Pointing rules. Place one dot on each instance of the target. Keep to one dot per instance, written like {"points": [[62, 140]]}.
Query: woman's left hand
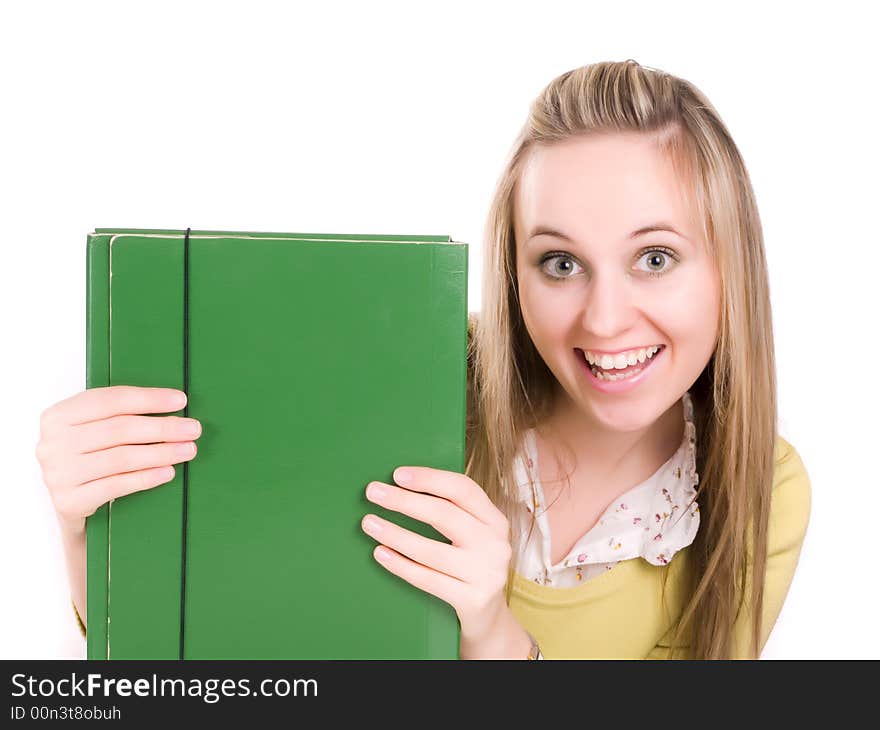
{"points": [[470, 574]]}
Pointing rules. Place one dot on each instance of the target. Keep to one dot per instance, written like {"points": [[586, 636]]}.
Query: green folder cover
{"points": [[316, 363]]}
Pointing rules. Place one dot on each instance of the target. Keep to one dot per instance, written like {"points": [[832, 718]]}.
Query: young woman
{"points": [[626, 492], [625, 221]]}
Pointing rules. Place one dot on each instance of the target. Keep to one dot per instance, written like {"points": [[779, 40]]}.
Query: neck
{"points": [[618, 458]]}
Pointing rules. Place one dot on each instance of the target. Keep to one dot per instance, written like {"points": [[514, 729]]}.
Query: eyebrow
{"points": [[659, 226]]}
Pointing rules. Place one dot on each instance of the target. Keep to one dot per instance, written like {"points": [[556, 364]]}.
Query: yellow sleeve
{"points": [[82, 628], [789, 516]]}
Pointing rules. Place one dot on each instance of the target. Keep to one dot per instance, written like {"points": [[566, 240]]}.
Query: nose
{"points": [[609, 307]]}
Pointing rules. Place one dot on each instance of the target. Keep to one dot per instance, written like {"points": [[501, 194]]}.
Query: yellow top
{"points": [[618, 614]]}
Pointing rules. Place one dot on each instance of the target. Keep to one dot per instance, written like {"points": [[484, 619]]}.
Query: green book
{"points": [[316, 363]]}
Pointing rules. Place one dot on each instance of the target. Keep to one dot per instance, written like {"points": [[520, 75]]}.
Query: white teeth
{"points": [[623, 359], [617, 376]]}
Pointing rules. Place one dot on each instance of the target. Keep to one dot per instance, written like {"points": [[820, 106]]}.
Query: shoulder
{"points": [[791, 498], [790, 478]]}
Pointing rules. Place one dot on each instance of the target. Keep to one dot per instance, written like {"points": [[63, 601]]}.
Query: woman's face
{"points": [[592, 278]]}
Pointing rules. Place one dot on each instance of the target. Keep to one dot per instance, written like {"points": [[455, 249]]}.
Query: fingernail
{"points": [[372, 526], [402, 476], [193, 428], [382, 555], [376, 491], [185, 450]]}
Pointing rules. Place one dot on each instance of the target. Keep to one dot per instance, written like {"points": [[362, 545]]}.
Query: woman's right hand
{"points": [[93, 448]]}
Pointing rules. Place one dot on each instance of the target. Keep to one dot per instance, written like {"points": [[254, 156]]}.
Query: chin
{"points": [[629, 419]]}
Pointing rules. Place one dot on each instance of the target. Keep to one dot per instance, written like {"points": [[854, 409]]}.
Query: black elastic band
{"points": [[185, 415]]}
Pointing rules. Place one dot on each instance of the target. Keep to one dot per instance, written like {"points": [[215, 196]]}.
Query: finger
{"points": [[457, 488], [444, 516], [448, 589], [449, 559], [119, 430], [86, 499], [113, 400], [122, 459]]}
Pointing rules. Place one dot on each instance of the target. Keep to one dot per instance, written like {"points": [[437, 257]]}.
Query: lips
{"points": [[618, 385]]}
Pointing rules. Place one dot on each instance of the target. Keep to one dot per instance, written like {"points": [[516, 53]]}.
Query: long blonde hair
{"points": [[510, 388]]}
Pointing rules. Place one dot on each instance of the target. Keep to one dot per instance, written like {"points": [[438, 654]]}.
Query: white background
{"points": [[396, 118]]}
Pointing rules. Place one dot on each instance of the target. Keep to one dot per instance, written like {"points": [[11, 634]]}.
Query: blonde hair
{"points": [[510, 388]]}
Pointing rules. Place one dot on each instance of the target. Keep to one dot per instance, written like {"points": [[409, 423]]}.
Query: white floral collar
{"points": [[653, 520]]}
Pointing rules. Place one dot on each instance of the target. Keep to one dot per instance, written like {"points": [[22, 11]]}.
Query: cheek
{"points": [[690, 314], [544, 314]]}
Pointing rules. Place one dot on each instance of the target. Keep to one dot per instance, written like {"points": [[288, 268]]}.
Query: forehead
{"points": [[601, 185]]}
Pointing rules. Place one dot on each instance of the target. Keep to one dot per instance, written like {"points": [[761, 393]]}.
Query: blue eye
{"points": [[563, 257], [657, 256]]}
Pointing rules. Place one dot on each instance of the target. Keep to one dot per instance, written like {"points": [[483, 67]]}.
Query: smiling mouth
{"points": [[613, 374]]}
